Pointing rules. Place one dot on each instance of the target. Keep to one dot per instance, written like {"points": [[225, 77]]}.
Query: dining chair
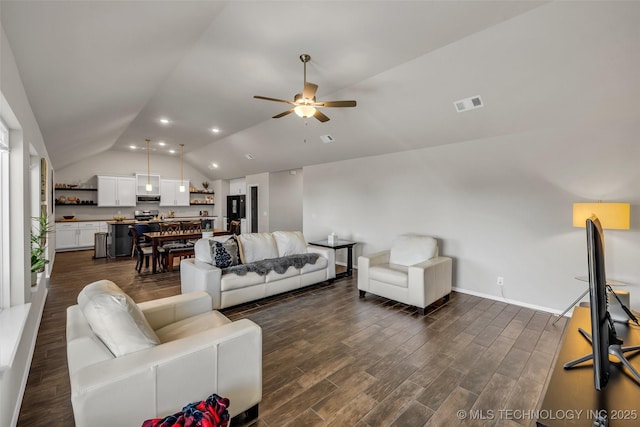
{"points": [[191, 225], [169, 227], [173, 248], [234, 227], [142, 250]]}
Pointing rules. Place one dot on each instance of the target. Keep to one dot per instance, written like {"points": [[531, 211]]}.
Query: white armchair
{"points": [[122, 374], [411, 272]]}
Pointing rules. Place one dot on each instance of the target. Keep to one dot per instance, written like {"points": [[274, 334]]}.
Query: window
{"points": [[4, 216]]}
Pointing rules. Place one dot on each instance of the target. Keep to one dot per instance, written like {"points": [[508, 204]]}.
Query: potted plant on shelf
{"points": [[39, 245], [205, 185]]}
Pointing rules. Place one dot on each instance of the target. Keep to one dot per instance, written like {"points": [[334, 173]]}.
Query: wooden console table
{"points": [[572, 400]]}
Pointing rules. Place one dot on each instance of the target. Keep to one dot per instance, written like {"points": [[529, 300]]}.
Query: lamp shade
{"points": [[304, 111], [613, 216]]}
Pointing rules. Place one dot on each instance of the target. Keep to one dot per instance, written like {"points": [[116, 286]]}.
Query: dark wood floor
{"points": [[333, 359]]}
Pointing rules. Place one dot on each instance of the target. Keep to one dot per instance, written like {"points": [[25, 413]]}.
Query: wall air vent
{"points": [[326, 139], [468, 104]]}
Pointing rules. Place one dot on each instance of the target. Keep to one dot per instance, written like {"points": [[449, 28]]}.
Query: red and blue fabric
{"points": [[212, 412]]}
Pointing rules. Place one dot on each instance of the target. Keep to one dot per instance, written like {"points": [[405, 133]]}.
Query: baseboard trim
{"points": [[508, 301]]}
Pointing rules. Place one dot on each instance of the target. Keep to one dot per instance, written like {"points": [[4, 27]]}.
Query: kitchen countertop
{"points": [[133, 221]]}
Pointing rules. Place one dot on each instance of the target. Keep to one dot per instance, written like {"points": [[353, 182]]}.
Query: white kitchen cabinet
{"points": [[86, 232], [77, 235], [66, 235], [170, 194], [116, 191]]}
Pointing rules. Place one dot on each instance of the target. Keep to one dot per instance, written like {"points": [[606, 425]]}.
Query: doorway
{"points": [[254, 208]]}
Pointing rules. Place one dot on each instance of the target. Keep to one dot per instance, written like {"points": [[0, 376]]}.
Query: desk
{"points": [[157, 237], [340, 244], [571, 390]]}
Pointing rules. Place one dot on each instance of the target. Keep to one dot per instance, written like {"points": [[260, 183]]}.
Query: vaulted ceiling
{"points": [[101, 74]]}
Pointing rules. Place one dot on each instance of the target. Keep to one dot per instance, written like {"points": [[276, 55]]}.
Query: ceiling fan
{"points": [[305, 104]]}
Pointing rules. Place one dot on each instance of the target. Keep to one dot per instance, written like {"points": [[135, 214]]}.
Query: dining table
{"points": [[158, 237]]}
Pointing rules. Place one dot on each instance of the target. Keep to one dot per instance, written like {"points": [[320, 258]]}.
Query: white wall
{"points": [[25, 136], [285, 200], [500, 207]]}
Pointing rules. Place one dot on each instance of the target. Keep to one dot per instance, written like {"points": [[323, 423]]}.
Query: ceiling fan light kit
{"points": [[305, 104]]}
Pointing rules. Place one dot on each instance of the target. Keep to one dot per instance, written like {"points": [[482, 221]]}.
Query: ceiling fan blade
{"points": [[266, 98], [277, 116], [320, 116], [309, 90], [335, 104]]}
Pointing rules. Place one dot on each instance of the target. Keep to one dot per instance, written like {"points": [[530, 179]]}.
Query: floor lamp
{"points": [[612, 216]]}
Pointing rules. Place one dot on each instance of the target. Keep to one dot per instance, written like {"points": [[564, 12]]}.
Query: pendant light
{"points": [[182, 189], [148, 187]]}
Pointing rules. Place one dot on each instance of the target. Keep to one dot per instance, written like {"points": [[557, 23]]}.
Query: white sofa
{"points": [[411, 272], [228, 289], [129, 363]]}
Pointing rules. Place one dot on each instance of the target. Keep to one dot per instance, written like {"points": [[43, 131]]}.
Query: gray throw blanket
{"points": [[279, 265]]}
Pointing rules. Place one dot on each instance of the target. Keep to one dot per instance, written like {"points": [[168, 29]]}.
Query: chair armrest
{"points": [[159, 381], [201, 276], [367, 261], [430, 280], [376, 258], [163, 311], [329, 254]]}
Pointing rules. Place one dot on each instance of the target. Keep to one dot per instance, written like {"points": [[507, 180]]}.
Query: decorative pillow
{"points": [[257, 246], [412, 249], [115, 318], [225, 254], [290, 243], [203, 249]]}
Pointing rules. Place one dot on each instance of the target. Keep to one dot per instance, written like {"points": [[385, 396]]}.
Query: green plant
{"points": [[205, 184], [39, 232]]}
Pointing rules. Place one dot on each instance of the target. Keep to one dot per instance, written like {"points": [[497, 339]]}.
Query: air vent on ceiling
{"points": [[249, 156], [326, 139], [468, 104]]}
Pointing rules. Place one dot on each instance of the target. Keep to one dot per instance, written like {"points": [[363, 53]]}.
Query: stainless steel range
{"points": [[145, 215]]}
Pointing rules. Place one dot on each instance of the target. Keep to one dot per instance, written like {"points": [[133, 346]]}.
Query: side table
{"points": [[340, 244]]}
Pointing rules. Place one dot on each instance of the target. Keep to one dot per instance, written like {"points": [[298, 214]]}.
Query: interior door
{"points": [[254, 209]]}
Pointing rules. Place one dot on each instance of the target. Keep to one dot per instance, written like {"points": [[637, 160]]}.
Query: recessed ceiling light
{"points": [[249, 156], [172, 151], [214, 165], [133, 147], [161, 143], [215, 130], [164, 121]]}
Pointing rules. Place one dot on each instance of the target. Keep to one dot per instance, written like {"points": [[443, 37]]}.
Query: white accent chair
{"points": [[131, 362], [411, 272]]}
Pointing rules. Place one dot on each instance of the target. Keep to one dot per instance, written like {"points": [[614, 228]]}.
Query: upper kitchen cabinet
{"points": [[170, 194], [116, 191], [142, 179]]}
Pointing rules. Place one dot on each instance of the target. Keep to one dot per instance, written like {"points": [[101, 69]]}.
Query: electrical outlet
{"points": [[500, 281]]}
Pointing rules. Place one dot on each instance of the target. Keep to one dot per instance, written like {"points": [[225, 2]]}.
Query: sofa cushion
{"points": [[115, 318], [191, 326], [257, 246], [320, 264], [290, 243], [393, 274], [412, 249], [225, 254], [273, 276], [232, 281]]}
